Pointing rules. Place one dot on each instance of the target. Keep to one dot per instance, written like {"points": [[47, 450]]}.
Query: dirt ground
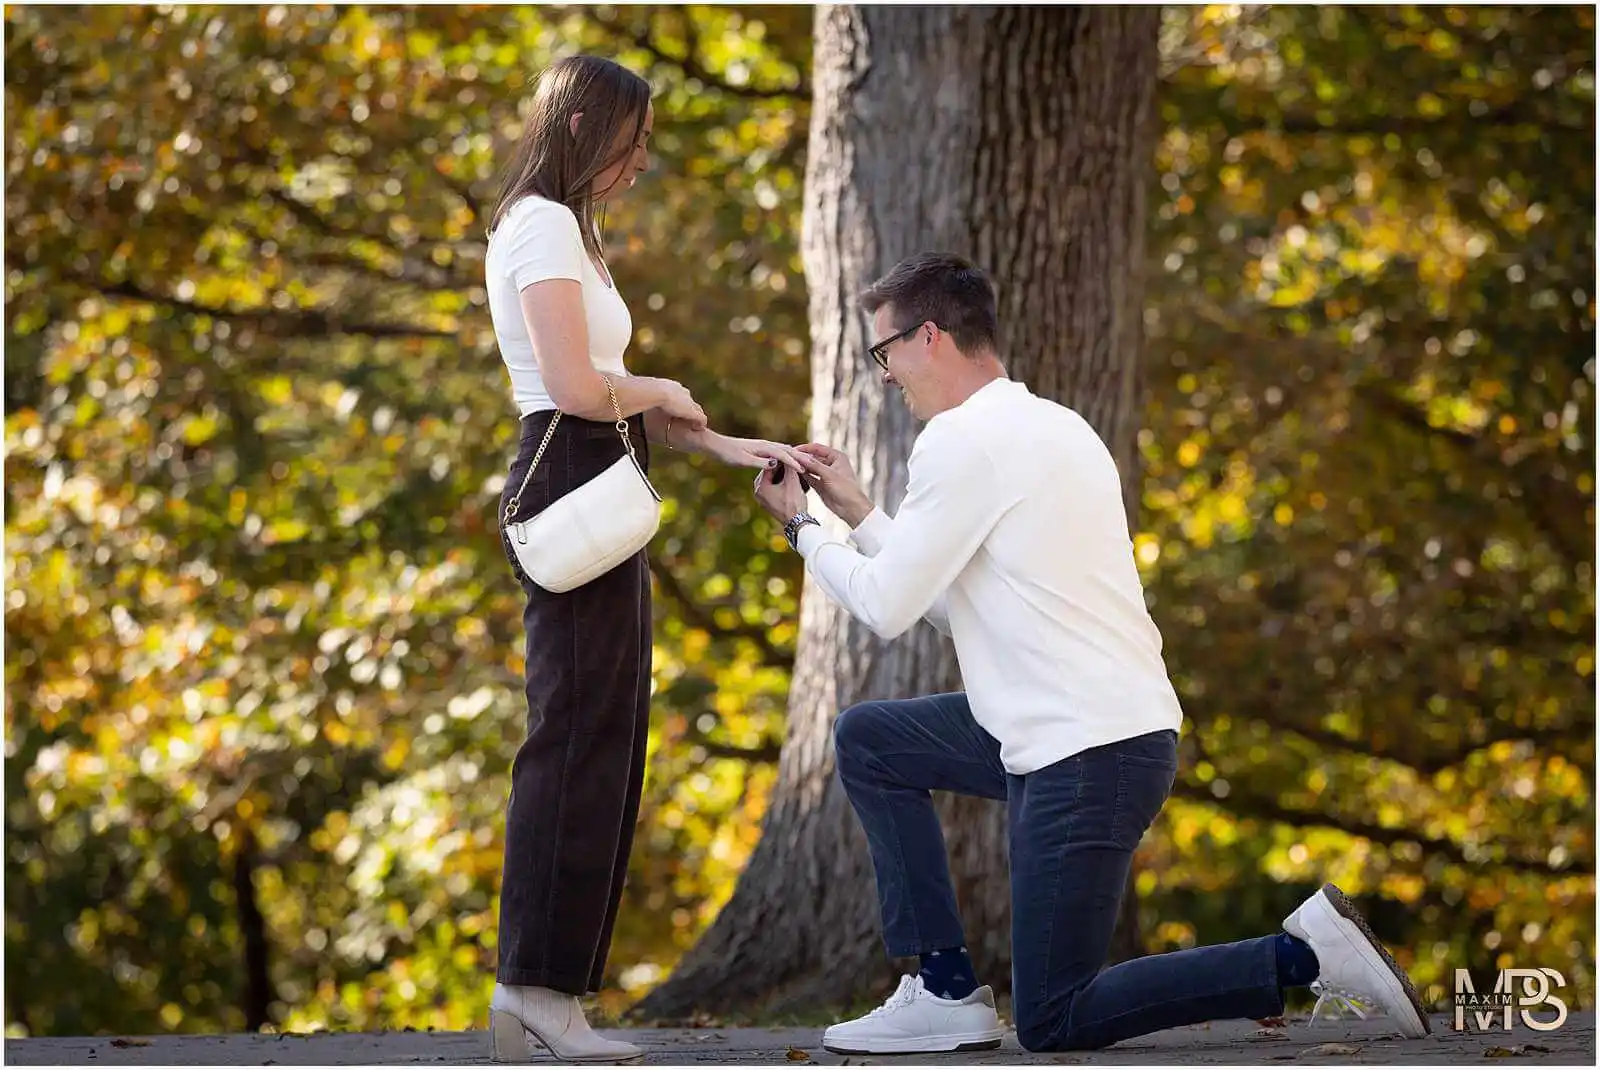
{"points": [[1321, 1043]]}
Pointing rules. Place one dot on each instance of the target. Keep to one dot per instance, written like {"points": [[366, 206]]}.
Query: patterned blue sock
{"points": [[948, 973], [1297, 963]]}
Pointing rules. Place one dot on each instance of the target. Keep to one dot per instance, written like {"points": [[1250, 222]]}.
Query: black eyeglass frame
{"points": [[878, 351]]}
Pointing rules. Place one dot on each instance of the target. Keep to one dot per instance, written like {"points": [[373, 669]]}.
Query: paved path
{"points": [[1344, 1042]]}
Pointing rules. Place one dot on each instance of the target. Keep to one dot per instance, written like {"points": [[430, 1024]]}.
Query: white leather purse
{"points": [[590, 530]]}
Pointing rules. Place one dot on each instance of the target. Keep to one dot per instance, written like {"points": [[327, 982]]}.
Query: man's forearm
{"points": [[854, 511]]}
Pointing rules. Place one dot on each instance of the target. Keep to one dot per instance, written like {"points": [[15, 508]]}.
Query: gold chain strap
{"points": [[622, 429]]}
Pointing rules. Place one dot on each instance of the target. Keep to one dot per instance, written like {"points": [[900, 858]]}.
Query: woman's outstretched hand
{"points": [[753, 452]]}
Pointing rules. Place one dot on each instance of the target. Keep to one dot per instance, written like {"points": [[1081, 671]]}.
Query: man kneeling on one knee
{"points": [[1013, 540]]}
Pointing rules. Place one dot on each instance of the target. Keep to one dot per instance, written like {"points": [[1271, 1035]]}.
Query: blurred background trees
{"points": [[262, 644]]}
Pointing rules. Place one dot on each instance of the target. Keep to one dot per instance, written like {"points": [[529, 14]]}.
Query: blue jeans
{"points": [[1074, 826]]}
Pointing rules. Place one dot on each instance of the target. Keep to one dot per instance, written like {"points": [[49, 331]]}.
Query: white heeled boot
{"points": [[556, 1021]]}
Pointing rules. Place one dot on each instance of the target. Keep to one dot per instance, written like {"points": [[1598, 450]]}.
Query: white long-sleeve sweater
{"points": [[1012, 539]]}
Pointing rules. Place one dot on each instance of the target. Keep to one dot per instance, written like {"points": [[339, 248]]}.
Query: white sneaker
{"points": [[1352, 963], [554, 1019], [914, 1021]]}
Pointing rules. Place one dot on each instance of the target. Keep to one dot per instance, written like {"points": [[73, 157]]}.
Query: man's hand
{"points": [[782, 499], [835, 482]]}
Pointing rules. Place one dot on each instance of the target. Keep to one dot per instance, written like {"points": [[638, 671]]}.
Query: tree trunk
{"points": [[257, 996], [1020, 137]]}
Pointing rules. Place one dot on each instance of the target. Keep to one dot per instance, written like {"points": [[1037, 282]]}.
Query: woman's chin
{"points": [[615, 193]]}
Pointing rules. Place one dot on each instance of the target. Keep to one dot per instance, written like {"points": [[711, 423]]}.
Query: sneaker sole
{"points": [[509, 1044], [954, 1042], [1347, 910]]}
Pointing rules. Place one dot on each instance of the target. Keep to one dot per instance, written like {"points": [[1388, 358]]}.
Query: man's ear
{"points": [[572, 124]]}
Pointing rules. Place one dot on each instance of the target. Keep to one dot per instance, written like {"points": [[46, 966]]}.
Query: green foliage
{"points": [[1369, 470], [259, 620], [256, 430]]}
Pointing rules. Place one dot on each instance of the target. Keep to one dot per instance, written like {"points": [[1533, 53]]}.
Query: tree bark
{"points": [[1020, 137], [257, 996]]}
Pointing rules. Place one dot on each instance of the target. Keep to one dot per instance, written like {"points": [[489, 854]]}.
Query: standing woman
{"points": [[562, 329]]}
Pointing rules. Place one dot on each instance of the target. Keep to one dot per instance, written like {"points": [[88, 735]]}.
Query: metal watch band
{"points": [[791, 530]]}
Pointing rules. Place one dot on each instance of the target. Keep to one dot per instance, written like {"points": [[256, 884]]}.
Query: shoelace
{"points": [[1341, 1000], [902, 997]]}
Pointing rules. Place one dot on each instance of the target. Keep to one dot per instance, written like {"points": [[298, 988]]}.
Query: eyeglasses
{"points": [[879, 351]]}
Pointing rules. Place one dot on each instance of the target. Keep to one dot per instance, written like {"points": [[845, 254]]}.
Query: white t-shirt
{"points": [[537, 240], [1013, 540]]}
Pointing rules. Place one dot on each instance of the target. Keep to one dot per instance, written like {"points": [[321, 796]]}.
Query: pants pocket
{"points": [[1143, 784]]}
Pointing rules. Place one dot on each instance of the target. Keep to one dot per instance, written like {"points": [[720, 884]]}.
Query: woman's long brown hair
{"points": [[558, 165]]}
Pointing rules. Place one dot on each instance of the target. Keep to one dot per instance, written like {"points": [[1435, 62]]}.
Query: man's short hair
{"points": [[949, 290]]}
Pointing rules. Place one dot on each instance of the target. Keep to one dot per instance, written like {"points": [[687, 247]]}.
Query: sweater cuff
{"points": [[870, 533], [810, 537]]}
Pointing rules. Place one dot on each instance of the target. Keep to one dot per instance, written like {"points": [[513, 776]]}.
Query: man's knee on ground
{"points": [[1033, 1034], [1038, 1033]]}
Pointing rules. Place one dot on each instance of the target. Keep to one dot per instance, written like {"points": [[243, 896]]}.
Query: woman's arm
{"points": [[544, 255], [677, 434], [553, 310], [657, 425], [674, 433]]}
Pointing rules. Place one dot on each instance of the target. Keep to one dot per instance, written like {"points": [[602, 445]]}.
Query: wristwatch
{"points": [[791, 530]]}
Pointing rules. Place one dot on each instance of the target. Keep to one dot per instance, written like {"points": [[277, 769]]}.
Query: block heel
{"points": [[509, 1038]]}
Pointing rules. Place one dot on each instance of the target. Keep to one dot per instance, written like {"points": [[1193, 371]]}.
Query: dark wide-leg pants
{"points": [[576, 780]]}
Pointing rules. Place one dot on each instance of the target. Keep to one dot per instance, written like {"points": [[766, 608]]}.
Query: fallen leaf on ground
{"points": [[130, 1042], [1268, 1034], [1500, 1051], [798, 1056], [1271, 1023], [1329, 1049]]}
